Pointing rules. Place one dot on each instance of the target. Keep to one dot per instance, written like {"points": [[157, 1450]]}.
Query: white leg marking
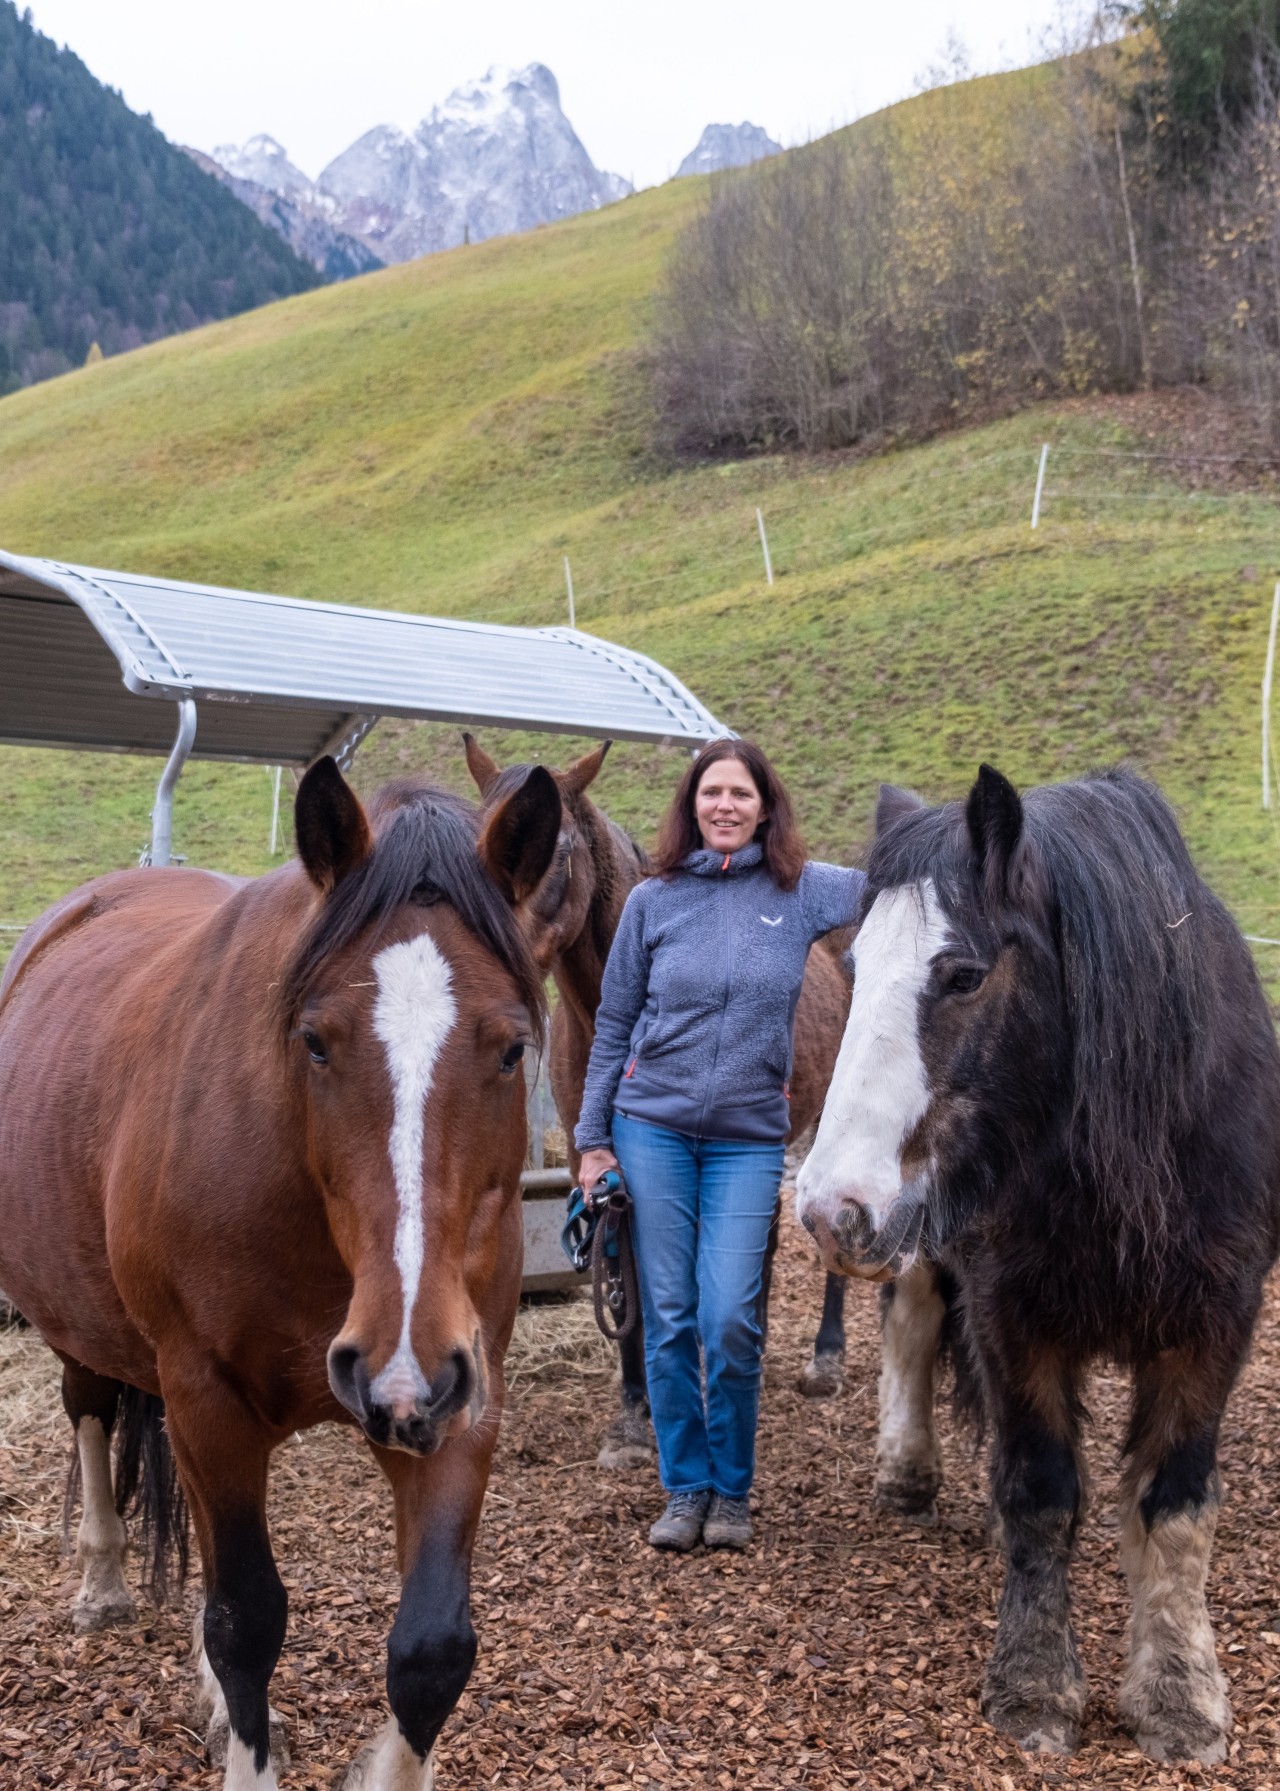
{"points": [[211, 1712], [1174, 1696], [412, 1015], [908, 1464], [390, 1764], [878, 1089], [104, 1598], [242, 1774]]}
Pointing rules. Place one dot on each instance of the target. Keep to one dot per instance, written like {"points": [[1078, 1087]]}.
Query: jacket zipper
{"points": [[726, 901]]}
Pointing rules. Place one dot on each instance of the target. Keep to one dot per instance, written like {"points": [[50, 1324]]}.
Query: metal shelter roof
{"points": [[276, 680]]}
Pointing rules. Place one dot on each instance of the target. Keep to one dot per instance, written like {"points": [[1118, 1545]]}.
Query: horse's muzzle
{"points": [[413, 1417], [852, 1246]]}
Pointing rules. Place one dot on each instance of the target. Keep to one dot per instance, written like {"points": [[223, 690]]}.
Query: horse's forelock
{"points": [[424, 851]]}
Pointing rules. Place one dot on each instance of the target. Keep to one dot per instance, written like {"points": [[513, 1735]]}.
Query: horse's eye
{"points": [[964, 979], [511, 1059], [315, 1046]]}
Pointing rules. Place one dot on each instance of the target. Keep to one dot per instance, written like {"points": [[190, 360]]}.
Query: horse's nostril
{"points": [[349, 1379], [810, 1224], [452, 1385]]}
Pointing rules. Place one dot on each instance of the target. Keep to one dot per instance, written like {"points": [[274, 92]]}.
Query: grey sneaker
{"points": [[727, 1523], [680, 1525]]}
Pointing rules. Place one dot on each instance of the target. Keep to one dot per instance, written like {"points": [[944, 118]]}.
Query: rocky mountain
{"points": [[728, 146], [499, 156], [289, 207], [109, 236]]}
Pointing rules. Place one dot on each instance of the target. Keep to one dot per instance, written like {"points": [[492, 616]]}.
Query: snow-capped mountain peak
{"points": [[497, 156], [265, 161], [728, 146]]}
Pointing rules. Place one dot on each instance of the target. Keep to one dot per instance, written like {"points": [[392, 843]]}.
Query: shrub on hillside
{"points": [[994, 243], [976, 250]]}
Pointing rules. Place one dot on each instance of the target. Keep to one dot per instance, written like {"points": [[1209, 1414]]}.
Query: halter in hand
{"points": [[597, 1235]]}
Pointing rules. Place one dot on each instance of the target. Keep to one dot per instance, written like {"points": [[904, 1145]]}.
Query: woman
{"points": [[686, 1092]]}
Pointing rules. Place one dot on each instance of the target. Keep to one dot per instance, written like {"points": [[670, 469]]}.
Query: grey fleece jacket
{"points": [[694, 1026]]}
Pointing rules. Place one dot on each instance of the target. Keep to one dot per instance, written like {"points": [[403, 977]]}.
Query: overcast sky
{"points": [[638, 82]]}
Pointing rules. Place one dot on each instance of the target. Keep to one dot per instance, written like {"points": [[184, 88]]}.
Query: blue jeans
{"points": [[702, 1210]]}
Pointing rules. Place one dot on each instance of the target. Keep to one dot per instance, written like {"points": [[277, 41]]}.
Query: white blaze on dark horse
{"points": [[1061, 1077], [879, 1090], [263, 1143]]}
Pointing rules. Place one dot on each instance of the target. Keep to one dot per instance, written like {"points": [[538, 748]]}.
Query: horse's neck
{"points": [[579, 968]]}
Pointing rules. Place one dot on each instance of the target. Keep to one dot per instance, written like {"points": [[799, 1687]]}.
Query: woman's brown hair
{"points": [[777, 834]]}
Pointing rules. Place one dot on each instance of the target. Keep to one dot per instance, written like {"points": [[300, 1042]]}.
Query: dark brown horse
{"points": [[570, 923], [262, 1145], [1061, 1081]]}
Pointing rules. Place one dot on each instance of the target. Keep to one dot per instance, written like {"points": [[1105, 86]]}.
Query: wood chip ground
{"points": [[845, 1649]]}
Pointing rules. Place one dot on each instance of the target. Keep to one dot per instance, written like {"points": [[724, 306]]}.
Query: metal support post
{"points": [[162, 813]]}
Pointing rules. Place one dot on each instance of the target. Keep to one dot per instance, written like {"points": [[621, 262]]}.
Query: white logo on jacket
{"points": [[771, 923]]}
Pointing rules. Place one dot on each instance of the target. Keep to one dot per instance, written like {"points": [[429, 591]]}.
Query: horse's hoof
{"points": [[628, 1442], [218, 1737], [822, 1377], [1190, 1741], [1179, 1719], [911, 1493], [1037, 1728], [112, 1611]]}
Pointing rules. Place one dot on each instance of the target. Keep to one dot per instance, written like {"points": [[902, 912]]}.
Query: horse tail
{"points": [[955, 1348], [148, 1490]]}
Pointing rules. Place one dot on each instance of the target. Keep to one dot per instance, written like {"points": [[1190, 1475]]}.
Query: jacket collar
{"points": [[705, 863]]}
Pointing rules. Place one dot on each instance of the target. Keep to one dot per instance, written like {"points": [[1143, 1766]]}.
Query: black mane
{"points": [[1138, 938], [425, 852]]}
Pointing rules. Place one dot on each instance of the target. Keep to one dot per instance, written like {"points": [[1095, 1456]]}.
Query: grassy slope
{"points": [[437, 436]]}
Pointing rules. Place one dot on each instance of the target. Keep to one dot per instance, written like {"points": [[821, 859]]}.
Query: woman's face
{"points": [[727, 806]]}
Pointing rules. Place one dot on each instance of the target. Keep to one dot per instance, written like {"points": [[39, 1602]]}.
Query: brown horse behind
{"points": [[570, 923], [262, 1148]]}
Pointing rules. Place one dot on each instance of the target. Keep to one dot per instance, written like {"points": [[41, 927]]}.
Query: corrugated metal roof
{"points": [[277, 680]]}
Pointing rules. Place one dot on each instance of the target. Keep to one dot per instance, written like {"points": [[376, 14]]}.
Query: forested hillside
{"points": [[108, 233]]}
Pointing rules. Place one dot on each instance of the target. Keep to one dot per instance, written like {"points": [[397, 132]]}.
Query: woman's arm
{"points": [[831, 896], [623, 994]]}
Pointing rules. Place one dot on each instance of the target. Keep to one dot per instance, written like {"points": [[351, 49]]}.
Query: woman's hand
{"points": [[594, 1164]]}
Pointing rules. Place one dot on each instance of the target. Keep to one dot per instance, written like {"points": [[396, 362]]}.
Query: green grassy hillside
{"points": [[438, 436]]}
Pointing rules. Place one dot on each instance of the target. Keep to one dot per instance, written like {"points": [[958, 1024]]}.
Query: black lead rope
{"points": [[613, 1268], [597, 1236]]}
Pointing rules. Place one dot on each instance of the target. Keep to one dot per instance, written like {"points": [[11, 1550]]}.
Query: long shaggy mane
{"points": [[425, 852], [1139, 940]]}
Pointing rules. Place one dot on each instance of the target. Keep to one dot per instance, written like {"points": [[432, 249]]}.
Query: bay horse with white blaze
{"points": [[1061, 1082], [262, 1145], [570, 924]]}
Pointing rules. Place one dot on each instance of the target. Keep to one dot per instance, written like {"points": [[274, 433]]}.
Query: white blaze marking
{"points": [[878, 1091], [412, 1015]]}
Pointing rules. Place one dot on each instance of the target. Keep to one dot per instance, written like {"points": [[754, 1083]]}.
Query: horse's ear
{"points": [[993, 814], [892, 804], [483, 769], [518, 840], [332, 829], [584, 771]]}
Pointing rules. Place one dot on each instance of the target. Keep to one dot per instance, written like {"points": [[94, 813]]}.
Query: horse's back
{"points": [[150, 905]]}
